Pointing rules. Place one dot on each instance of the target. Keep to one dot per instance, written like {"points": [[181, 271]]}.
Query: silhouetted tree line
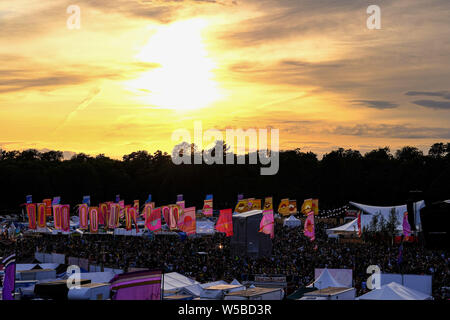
{"points": [[377, 177]]}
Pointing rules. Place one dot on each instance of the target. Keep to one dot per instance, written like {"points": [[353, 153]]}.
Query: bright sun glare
{"points": [[184, 79]]}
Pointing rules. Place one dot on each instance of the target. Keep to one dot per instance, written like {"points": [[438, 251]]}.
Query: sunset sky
{"points": [[137, 70]]}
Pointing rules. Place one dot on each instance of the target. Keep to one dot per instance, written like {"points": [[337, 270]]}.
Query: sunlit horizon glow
{"points": [[137, 70], [184, 78]]}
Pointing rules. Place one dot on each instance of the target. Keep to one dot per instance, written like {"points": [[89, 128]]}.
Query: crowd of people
{"points": [[208, 258]]}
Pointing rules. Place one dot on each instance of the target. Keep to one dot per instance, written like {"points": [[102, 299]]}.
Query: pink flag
{"points": [[154, 220], [83, 212], [406, 226], [65, 217], [187, 221], [267, 224], [31, 211], [309, 226], [359, 224]]}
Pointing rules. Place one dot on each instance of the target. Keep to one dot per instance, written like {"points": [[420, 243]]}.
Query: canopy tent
{"points": [[326, 280], [292, 222], [235, 282], [351, 226], [174, 280], [394, 291], [370, 211]]}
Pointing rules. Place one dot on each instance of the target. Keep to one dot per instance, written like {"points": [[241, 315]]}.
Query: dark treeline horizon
{"points": [[378, 177]]}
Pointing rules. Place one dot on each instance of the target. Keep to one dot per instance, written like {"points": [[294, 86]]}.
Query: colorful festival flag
{"points": [[31, 212], [315, 206], [208, 207], [83, 213], [250, 202], [41, 215], [283, 208], [65, 218], [93, 219], [256, 205], [9, 278], [146, 212], [114, 213], [174, 214], [56, 200], [57, 216], [267, 224], [154, 221], [293, 207], [307, 206], [181, 204], [48, 207], [136, 206], [103, 213], [309, 226], [225, 222], [268, 204], [130, 216], [166, 214], [359, 224], [187, 221], [242, 206], [87, 200], [406, 226]]}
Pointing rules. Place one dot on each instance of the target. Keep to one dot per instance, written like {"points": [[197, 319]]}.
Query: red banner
{"points": [[48, 207], [103, 213], [41, 214], [93, 219], [57, 216], [225, 222], [83, 212], [31, 212], [65, 217]]}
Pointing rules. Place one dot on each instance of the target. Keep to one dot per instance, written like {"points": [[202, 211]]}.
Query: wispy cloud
{"points": [[375, 104], [432, 104]]}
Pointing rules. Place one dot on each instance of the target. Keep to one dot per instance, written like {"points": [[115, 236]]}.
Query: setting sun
{"points": [[183, 78]]}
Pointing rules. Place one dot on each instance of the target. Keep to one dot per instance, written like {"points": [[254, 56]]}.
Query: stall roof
{"points": [[253, 292]]}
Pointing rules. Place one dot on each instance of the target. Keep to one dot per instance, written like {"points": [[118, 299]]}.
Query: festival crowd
{"points": [[208, 258]]}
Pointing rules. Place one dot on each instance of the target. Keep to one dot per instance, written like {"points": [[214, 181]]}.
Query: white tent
{"points": [[351, 226], [326, 280], [235, 282], [394, 291], [98, 277], [174, 280], [292, 222], [371, 211]]}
